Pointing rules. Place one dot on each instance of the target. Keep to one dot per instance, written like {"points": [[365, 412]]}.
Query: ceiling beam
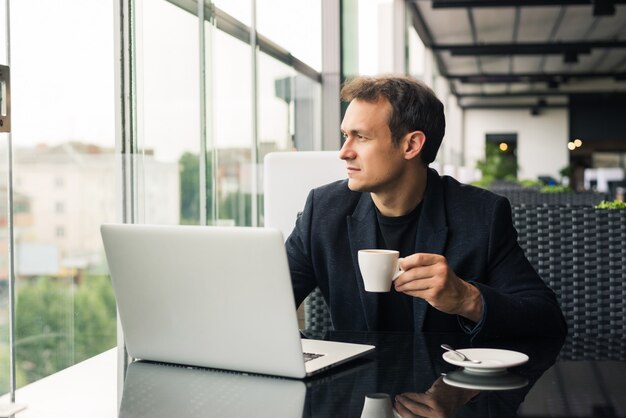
{"points": [[531, 77], [527, 48], [418, 22], [447, 4], [511, 106], [420, 26], [533, 93]]}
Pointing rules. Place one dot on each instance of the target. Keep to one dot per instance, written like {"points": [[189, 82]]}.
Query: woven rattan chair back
{"points": [[580, 252]]}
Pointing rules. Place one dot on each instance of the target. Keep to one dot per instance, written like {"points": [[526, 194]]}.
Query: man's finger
{"points": [[419, 259]]}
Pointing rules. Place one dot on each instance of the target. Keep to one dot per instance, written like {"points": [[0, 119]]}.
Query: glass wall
{"points": [[63, 185], [232, 138], [168, 112], [254, 103], [207, 106], [295, 25], [4, 241], [4, 248]]}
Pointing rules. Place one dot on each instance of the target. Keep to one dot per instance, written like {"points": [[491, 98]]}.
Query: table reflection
{"points": [[409, 369], [406, 371]]}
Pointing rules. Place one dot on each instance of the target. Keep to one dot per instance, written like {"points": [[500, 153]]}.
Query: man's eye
{"points": [[345, 135]]}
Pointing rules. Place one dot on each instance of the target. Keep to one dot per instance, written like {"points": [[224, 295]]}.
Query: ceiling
{"points": [[525, 53]]}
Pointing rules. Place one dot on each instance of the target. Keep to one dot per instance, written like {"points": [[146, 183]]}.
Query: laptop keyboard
{"points": [[311, 356]]}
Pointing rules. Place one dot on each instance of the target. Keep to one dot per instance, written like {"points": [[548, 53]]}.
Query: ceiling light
{"points": [[503, 146], [578, 143], [571, 146]]}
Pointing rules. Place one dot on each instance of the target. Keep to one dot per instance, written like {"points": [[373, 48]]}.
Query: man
{"points": [[463, 268]]}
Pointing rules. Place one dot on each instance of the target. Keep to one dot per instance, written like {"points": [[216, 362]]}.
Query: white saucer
{"points": [[485, 381], [492, 360]]}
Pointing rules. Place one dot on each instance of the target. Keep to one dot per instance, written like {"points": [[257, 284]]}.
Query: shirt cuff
{"points": [[470, 327]]}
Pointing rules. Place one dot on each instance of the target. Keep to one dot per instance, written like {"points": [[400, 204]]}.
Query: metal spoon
{"points": [[463, 356]]}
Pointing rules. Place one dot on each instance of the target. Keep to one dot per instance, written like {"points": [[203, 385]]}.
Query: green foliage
{"points": [[235, 205], [497, 165], [60, 323], [566, 171], [557, 188], [189, 164], [20, 379], [527, 183], [615, 204], [483, 182], [238, 206]]}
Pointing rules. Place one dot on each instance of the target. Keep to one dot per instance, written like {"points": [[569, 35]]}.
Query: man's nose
{"points": [[346, 152]]}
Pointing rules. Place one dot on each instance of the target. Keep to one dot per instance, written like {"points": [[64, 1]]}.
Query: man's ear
{"points": [[413, 144]]}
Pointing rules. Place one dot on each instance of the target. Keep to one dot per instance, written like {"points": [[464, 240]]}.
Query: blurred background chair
{"points": [[288, 178]]}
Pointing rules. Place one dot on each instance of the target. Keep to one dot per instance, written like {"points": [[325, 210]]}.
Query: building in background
{"points": [[63, 193]]}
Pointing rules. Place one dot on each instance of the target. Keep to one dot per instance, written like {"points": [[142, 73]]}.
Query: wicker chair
{"points": [[316, 314], [581, 254], [518, 196]]}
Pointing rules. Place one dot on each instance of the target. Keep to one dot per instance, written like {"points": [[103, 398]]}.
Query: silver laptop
{"points": [[216, 297]]}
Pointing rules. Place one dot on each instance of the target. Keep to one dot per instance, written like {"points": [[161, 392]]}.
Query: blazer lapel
{"points": [[362, 235], [432, 233]]}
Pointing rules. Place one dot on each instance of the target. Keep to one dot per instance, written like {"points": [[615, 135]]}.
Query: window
{"points": [[50, 109], [245, 115]]}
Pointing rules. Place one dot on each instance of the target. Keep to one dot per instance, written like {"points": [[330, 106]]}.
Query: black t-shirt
{"points": [[396, 309], [397, 233]]}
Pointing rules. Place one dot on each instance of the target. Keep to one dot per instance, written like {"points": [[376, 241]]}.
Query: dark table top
{"points": [[571, 378]]}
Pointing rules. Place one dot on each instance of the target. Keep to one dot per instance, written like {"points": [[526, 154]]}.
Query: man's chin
{"points": [[356, 186]]}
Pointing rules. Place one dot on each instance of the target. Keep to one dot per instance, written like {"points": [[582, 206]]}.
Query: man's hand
{"points": [[440, 401], [428, 276]]}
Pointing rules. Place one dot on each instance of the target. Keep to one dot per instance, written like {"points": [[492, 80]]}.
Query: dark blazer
{"points": [[470, 226]]}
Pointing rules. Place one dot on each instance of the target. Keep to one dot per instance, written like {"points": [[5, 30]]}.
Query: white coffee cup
{"points": [[377, 405], [379, 268]]}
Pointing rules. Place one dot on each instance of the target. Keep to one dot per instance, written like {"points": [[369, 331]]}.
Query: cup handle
{"points": [[399, 270]]}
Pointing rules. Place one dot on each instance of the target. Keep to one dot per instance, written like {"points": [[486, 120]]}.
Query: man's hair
{"points": [[414, 108]]}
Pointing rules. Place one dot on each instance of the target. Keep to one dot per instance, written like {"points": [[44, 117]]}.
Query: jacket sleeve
{"points": [[298, 247], [516, 300]]}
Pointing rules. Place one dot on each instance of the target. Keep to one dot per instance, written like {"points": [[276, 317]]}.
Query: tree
{"points": [[59, 323], [190, 188]]}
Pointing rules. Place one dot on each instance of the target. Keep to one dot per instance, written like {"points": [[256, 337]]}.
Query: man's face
{"points": [[372, 160]]}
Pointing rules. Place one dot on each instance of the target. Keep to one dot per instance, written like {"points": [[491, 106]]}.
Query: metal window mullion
{"points": [[255, 118], [207, 144], [228, 24], [125, 138], [11, 231], [202, 200], [128, 138], [331, 75]]}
